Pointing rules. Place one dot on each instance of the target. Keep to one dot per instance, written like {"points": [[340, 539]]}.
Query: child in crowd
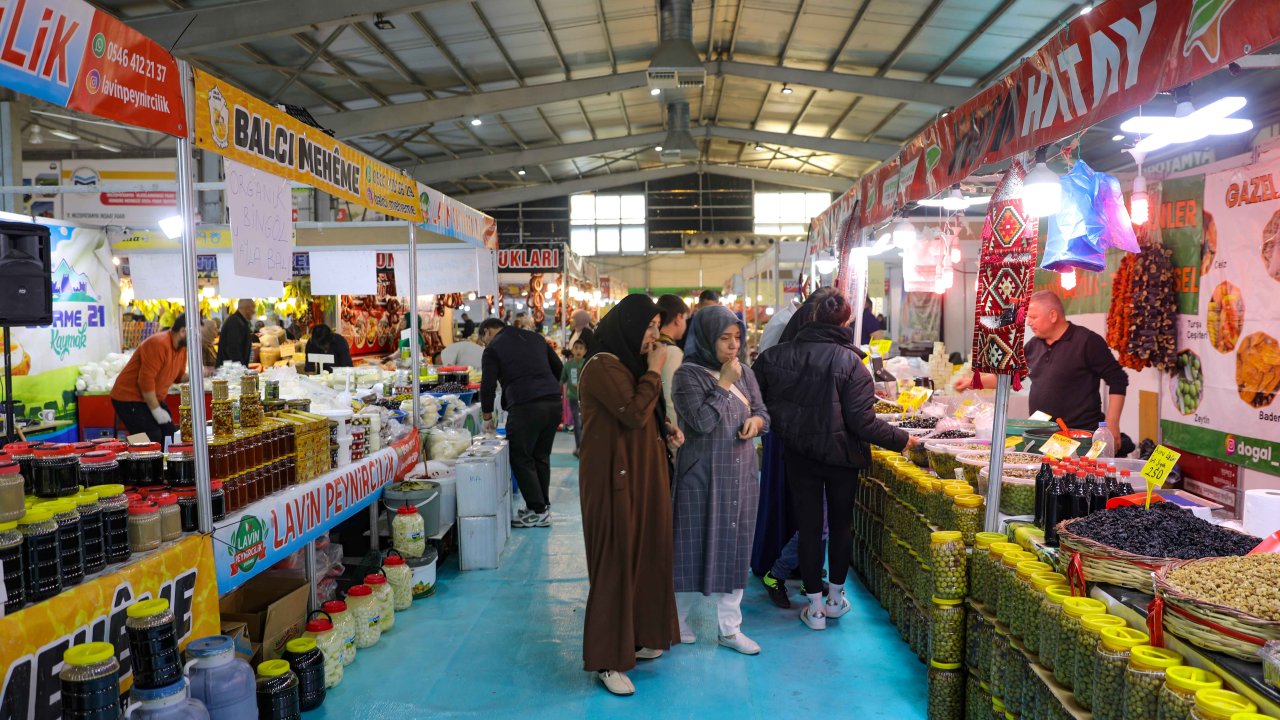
{"points": [[569, 380]]}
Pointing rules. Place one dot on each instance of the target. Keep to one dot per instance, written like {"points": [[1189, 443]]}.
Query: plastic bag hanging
{"points": [[1092, 219]]}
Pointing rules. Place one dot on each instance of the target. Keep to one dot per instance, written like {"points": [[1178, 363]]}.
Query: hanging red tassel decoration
{"points": [[1155, 621], [1075, 576]]}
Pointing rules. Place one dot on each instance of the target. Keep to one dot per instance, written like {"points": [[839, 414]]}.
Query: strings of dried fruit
{"points": [[1121, 311], [1153, 337]]}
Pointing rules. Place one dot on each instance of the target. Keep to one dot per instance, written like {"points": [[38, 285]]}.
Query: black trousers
{"points": [[809, 481], [531, 432], [137, 418]]}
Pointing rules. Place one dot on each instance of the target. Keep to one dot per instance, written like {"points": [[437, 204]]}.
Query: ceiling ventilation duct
{"points": [[679, 144], [676, 67]]}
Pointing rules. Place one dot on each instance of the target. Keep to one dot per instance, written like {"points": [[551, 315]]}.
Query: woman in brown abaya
{"points": [[626, 496]]}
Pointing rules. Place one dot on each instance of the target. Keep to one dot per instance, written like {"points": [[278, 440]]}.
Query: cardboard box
{"points": [[273, 609], [239, 634]]}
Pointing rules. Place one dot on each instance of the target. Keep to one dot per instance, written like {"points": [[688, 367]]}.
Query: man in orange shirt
{"points": [[138, 394]]}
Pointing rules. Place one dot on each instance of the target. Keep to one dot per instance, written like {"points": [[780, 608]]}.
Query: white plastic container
{"points": [[448, 499], [478, 548], [480, 485]]}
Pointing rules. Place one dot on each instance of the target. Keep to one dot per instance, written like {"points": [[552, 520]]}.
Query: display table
{"points": [[258, 536], [33, 639]]}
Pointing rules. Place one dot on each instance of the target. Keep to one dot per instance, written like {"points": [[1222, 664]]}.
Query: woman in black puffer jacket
{"points": [[822, 402]]}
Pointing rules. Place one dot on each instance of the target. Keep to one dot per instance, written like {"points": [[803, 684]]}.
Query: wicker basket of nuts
{"points": [[1227, 604]]}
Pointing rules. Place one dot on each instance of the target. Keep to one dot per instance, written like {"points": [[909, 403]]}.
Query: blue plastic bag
{"points": [[1092, 219]]}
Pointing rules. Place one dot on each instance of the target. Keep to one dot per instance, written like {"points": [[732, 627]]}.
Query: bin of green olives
{"points": [[1144, 678], [1033, 633], [1178, 695], [1086, 645], [1020, 618], [1110, 662], [950, 561], [1007, 584], [946, 691], [978, 563], [1065, 663], [1050, 614], [1017, 490], [1220, 705], [946, 631]]}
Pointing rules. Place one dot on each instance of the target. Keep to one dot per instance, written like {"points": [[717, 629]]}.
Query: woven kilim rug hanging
{"points": [[1006, 279]]}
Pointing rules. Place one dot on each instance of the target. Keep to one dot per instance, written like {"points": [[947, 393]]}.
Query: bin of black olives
{"points": [[1178, 695], [946, 691], [1145, 678], [1110, 663]]}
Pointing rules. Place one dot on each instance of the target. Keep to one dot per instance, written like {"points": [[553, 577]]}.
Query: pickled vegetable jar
{"points": [[968, 516], [1073, 608], [1035, 629], [344, 623], [1086, 646], [1178, 695], [1220, 705], [980, 563], [946, 631], [408, 532], [382, 591], [1023, 593], [1144, 679], [946, 691], [400, 578], [1110, 663], [1050, 614], [1007, 584], [366, 611], [12, 493], [331, 645], [1000, 650]]}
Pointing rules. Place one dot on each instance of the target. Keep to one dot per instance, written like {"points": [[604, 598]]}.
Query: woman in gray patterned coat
{"points": [[717, 485]]}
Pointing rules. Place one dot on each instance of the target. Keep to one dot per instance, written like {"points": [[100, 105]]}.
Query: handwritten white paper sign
{"points": [[261, 223]]}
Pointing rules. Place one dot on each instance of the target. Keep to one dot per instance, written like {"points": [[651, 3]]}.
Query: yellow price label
{"points": [[1012, 441], [1096, 449], [1159, 465], [1059, 446], [881, 346], [913, 398]]}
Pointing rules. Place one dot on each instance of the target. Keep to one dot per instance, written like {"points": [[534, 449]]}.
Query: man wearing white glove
{"points": [[139, 392]]}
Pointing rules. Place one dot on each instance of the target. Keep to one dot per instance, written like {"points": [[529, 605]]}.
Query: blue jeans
{"points": [[575, 411], [789, 559]]}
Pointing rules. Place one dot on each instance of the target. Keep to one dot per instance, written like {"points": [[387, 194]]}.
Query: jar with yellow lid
{"points": [[1217, 704], [153, 644], [1000, 650], [977, 701], [1178, 694], [968, 515], [1050, 612], [946, 631], [1022, 596], [1144, 680], [946, 691], [1251, 716], [1110, 662], [1073, 608], [1007, 584], [1085, 646], [277, 690], [997, 708], [979, 564], [90, 682], [1033, 621], [1012, 672]]}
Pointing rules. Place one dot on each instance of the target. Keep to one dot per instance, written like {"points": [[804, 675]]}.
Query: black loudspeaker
{"points": [[26, 283]]}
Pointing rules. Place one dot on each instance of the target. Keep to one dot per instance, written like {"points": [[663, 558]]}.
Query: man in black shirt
{"points": [[529, 371], [235, 342], [1066, 363]]}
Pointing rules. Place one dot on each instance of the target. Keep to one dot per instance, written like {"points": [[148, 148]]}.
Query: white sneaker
{"points": [[741, 643], [833, 611], [616, 682], [815, 621], [687, 637], [648, 654]]}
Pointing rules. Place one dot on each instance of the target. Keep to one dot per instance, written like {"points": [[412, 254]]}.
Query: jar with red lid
{"points": [[386, 600], [170, 515], [180, 466], [344, 622], [12, 497], [144, 526], [100, 467], [146, 464], [57, 472], [366, 610], [81, 448], [218, 499], [24, 454]]}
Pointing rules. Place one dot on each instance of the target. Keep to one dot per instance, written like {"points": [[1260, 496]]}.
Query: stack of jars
{"points": [[980, 565], [1110, 663], [1145, 678], [1068, 629], [1023, 593], [1178, 695], [1088, 635]]}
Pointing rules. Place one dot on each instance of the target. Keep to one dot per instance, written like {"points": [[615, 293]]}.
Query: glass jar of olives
{"points": [[946, 691], [1050, 612], [946, 631], [1144, 679], [980, 563], [1178, 695], [1007, 585], [1073, 608], [1034, 630], [1110, 662], [1086, 645], [1220, 705], [1020, 617], [968, 515], [949, 559]]}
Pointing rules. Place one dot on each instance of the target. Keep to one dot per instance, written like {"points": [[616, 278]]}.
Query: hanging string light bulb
{"points": [[1068, 279], [1041, 190]]}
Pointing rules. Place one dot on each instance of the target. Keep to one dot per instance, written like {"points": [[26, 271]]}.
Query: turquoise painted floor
{"points": [[507, 643]]}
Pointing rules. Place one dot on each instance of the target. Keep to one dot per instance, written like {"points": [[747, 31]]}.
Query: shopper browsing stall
{"points": [[717, 483], [235, 342], [529, 371], [324, 341], [626, 500], [1066, 363], [463, 352], [822, 400], [139, 392]]}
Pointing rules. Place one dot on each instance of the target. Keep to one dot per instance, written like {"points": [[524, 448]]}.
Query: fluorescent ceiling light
{"points": [[655, 91], [825, 263], [476, 121], [64, 134], [1188, 124], [108, 148]]}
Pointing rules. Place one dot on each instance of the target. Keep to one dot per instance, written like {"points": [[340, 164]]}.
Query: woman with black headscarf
{"points": [[625, 491], [717, 482]]}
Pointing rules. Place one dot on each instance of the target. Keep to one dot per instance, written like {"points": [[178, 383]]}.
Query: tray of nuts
{"points": [[1227, 604]]}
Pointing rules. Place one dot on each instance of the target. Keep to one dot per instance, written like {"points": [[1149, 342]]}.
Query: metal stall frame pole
{"points": [[777, 278], [755, 270], [996, 468], [191, 299], [861, 267]]}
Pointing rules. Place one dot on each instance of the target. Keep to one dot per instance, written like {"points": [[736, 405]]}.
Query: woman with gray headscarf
{"points": [[717, 484]]}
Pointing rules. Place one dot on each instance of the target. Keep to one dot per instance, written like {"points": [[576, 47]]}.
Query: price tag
{"points": [[1059, 446], [1040, 416], [1014, 441], [1096, 449], [914, 397], [881, 347], [1158, 467]]}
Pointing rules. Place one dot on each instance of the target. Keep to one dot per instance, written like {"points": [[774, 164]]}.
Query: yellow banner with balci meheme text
{"points": [[238, 126]]}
